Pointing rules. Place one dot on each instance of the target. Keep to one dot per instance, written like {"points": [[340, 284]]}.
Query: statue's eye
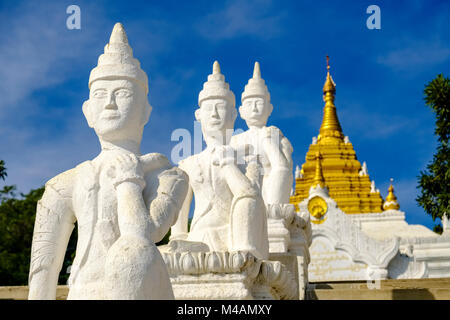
{"points": [[99, 94], [123, 93]]}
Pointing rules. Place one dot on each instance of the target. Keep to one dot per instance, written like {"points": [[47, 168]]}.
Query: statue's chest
{"points": [[95, 200], [208, 180], [107, 199]]}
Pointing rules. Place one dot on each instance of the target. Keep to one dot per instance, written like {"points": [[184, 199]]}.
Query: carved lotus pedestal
{"points": [[228, 275]]}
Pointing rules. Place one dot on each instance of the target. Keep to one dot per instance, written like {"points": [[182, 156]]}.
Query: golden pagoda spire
{"points": [[318, 177], [330, 130], [391, 200], [337, 162]]}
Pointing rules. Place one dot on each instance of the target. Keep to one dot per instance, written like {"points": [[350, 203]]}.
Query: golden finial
{"points": [[330, 130], [318, 177], [391, 200], [329, 85]]}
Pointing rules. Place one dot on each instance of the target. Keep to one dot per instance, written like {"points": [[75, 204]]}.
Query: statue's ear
{"points": [[197, 114], [147, 112], [270, 109], [234, 114], [87, 113], [241, 111]]}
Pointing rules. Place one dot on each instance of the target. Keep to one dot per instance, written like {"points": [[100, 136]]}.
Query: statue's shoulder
{"points": [[154, 162], [63, 183], [275, 129], [239, 138], [189, 162]]}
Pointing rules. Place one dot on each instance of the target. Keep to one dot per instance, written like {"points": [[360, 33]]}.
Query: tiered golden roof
{"points": [[338, 164]]}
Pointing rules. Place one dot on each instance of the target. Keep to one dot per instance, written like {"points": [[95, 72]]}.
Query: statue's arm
{"points": [[53, 226], [179, 230], [165, 208], [278, 149], [149, 221], [287, 149], [237, 181]]}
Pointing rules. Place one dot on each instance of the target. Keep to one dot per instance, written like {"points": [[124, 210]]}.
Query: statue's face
{"points": [[216, 115], [117, 109], [255, 111]]}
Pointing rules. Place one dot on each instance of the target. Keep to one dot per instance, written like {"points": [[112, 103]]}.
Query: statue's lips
{"points": [[109, 115]]}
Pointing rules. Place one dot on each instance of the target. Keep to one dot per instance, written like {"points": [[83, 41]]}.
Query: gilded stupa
{"points": [[347, 181]]}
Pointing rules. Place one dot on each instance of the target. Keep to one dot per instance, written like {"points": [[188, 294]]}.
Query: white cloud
{"points": [[241, 18], [357, 120], [419, 55]]}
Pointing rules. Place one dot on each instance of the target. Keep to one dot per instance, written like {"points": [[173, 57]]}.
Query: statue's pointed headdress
{"points": [[118, 61], [256, 86], [216, 87]]}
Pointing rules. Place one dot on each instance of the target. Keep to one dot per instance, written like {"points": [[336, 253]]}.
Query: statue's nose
{"points": [[111, 103], [215, 114]]}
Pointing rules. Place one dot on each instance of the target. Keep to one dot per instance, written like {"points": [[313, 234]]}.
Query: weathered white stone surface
{"points": [[228, 275], [422, 252], [289, 233], [122, 201], [446, 224], [361, 246], [273, 149], [340, 250], [230, 222], [229, 210]]}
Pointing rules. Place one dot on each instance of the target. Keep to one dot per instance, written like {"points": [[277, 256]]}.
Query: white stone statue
{"points": [[346, 139], [273, 149], [298, 173], [372, 187], [229, 211], [288, 231], [446, 224], [364, 171], [123, 202]]}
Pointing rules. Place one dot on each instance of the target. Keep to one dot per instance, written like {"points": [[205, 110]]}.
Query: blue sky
{"points": [[380, 76]]}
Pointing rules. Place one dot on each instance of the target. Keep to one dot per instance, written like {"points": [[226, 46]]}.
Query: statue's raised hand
{"points": [[126, 168], [223, 155], [154, 161], [272, 133]]}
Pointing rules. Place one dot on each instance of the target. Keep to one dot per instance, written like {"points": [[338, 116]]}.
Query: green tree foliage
{"points": [[16, 231], [2, 170], [434, 182]]}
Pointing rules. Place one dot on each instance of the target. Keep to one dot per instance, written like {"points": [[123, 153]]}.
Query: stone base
{"points": [[407, 289], [228, 275]]}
